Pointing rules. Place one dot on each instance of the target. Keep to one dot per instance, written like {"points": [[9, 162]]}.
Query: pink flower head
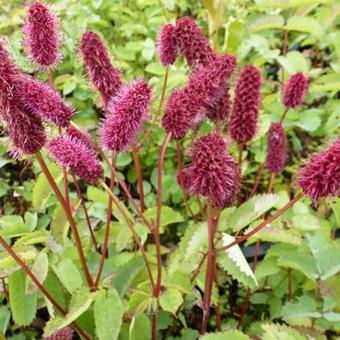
{"points": [[295, 90], [125, 115], [244, 115], [71, 153], [321, 175], [213, 172], [192, 43], [42, 37], [62, 334], [167, 45], [26, 131], [82, 136], [43, 100], [185, 106], [98, 66], [277, 148], [7, 72], [218, 108]]}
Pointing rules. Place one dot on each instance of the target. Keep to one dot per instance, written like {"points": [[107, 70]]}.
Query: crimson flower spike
{"points": [[213, 172], [98, 66], [321, 175], [42, 35], [295, 90], [167, 45]]}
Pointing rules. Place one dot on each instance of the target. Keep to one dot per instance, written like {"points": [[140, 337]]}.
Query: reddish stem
{"points": [[257, 180], [107, 227], [210, 269], [34, 279], [270, 182], [181, 180], [88, 222], [69, 216], [139, 177], [264, 223]]}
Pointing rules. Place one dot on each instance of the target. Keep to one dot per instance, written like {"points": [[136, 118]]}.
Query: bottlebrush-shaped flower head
{"points": [[277, 148], [7, 72], [26, 131], [71, 153], [126, 113], [83, 136], [98, 66], [185, 105], [192, 43], [61, 334], [43, 100], [167, 45], [295, 90], [213, 172], [321, 175], [218, 108], [42, 36], [244, 115]]}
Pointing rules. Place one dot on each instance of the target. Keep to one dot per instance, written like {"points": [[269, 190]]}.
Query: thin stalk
{"points": [[181, 180], [264, 223], [69, 216], [82, 202], [42, 289], [283, 115], [209, 275], [135, 155], [270, 182], [157, 116], [257, 180], [133, 231], [107, 227], [240, 151], [155, 230]]}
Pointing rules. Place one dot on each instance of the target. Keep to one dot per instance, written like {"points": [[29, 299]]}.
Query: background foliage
{"points": [[303, 239]]}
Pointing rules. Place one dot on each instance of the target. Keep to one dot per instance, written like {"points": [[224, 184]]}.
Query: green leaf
{"points": [[168, 215], [232, 335], [266, 22], [68, 274], [59, 224], [310, 120], [80, 302], [236, 264], [40, 270], [31, 220], [13, 226], [170, 300], [108, 313], [5, 316], [198, 241], [23, 306], [304, 24], [34, 237], [42, 190], [140, 327], [275, 234], [251, 210], [300, 313], [293, 62], [281, 332], [289, 3]]}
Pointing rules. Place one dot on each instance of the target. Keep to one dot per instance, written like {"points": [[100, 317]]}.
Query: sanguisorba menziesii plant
{"points": [[39, 125]]}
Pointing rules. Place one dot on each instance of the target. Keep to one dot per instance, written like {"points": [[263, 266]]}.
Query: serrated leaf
{"points": [[68, 274], [232, 335], [168, 215], [252, 210], [12, 226], [23, 306], [140, 327], [266, 22], [300, 313], [198, 241], [80, 303], [280, 332], [108, 313], [40, 270], [304, 24], [293, 62], [34, 237], [41, 190], [59, 224], [31, 220], [237, 263], [5, 316], [170, 300]]}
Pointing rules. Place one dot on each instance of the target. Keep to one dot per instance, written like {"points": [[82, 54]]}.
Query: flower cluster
{"points": [[244, 115], [213, 172], [277, 148], [42, 36], [321, 175], [98, 66], [83, 136], [295, 90], [73, 154], [61, 334], [186, 106], [167, 45], [125, 115]]}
